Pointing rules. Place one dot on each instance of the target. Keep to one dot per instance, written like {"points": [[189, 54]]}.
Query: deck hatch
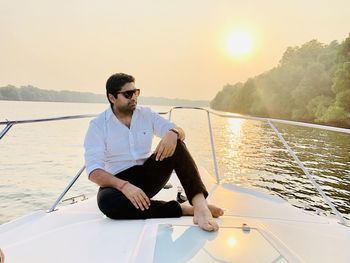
{"points": [[230, 244]]}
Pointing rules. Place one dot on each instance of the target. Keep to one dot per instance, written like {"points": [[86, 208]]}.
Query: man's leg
{"points": [[151, 178], [115, 205], [188, 174], [186, 170]]}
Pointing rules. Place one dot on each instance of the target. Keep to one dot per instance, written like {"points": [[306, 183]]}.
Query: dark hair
{"points": [[116, 82]]}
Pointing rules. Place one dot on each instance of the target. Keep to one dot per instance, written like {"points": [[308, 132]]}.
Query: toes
{"points": [[218, 212], [204, 218], [207, 225], [214, 225], [210, 226], [215, 211]]}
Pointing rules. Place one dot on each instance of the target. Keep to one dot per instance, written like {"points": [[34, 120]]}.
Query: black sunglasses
{"points": [[129, 93]]}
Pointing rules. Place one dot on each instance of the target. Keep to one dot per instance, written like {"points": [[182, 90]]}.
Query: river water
{"points": [[38, 160]]}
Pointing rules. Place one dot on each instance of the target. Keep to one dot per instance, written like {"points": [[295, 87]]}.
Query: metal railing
{"points": [[9, 124], [270, 121]]}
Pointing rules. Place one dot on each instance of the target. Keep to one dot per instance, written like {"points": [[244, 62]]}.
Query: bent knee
{"points": [[180, 147], [110, 201]]}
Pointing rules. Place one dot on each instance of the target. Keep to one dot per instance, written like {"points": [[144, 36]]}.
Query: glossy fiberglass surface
{"points": [[231, 244]]}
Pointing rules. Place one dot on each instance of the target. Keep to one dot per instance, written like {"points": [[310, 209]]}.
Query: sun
{"points": [[240, 43]]}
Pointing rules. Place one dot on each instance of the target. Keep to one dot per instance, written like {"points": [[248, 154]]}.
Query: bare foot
{"points": [[188, 210], [204, 219], [215, 211]]}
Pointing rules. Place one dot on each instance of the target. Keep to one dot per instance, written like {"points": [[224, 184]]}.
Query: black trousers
{"points": [[151, 178]]}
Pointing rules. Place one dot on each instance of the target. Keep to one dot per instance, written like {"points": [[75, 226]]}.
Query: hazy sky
{"points": [[173, 48]]}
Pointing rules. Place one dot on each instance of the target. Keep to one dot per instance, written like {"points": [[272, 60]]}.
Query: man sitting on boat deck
{"points": [[118, 158]]}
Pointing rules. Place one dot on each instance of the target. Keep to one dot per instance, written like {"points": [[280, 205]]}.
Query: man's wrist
{"points": [[176, 132], [121, 185]]}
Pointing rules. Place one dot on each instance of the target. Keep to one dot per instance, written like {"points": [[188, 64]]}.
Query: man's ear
{"points": [[111, 97]]}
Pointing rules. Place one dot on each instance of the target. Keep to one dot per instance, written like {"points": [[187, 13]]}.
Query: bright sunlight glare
{"points": [[240, 43], [231, 241]]}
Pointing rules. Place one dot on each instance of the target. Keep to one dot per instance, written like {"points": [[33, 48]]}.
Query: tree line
{"points": [[311, 83], [30, 93]]}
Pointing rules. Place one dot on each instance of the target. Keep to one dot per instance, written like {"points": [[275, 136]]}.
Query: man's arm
{"points": [[162, 128], [105, 179], [167, 145], [132, 192]]}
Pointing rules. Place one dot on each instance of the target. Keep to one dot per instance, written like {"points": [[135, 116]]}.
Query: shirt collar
{"points": [[109, 113]]}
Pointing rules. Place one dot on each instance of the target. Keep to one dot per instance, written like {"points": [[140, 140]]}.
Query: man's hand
{"points": [[137, 197], [166, 146]]}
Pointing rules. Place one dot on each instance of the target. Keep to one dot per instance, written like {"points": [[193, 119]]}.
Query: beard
{"points": [[128, 108]]}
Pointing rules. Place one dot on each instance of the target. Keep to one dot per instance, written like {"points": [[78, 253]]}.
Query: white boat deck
{"points": [[256, 228]]}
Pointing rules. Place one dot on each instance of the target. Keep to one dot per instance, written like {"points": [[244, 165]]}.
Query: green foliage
{"points": [[336, 114], [311, 83], [343, 100], [224, 99], [318, 107], [342, 78]]}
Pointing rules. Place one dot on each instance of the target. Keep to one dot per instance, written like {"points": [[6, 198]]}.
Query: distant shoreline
{"points": [[30, 93], [106, 102], [140, 102]]}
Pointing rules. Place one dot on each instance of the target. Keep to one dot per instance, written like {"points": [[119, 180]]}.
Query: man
{"points": [[118, 158]]}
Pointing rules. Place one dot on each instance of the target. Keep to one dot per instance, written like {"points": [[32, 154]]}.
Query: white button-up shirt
{"points": [[113, 147]]}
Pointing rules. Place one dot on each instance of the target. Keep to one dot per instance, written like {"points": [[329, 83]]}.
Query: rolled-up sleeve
{"points": [[94, 145], [160, 125]]}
